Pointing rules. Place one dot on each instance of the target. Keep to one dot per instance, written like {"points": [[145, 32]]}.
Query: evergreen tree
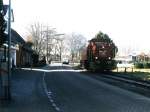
{"points": [[102, 37], [2, 25]]}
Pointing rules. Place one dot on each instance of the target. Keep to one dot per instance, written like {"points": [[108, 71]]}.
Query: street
{"points": [[58, 88]]}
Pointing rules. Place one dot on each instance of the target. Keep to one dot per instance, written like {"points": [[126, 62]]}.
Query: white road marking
{"points": [[57, 70], [49, 92], [53, 104], [51, 100], [58, 109], [49, 95]]}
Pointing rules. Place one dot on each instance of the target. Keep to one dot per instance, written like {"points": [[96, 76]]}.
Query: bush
{"points": [[139, 65], [146, 65]]}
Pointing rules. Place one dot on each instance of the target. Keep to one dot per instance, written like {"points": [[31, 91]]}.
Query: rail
{"points": [[128, 80]]}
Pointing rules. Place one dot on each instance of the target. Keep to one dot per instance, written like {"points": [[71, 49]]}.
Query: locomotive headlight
{"points": [[96, 57], [103, 47], [109, 58]]}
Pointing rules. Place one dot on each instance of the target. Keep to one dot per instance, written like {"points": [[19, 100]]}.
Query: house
{"points": [[21, 51], [22, 54], [16, 41]]}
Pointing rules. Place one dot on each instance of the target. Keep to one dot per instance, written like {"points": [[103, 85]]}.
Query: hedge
{"points": [[142, 65]]}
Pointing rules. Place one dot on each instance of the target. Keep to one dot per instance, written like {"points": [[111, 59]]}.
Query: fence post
{"points": [[132, 69], [125, 70]]}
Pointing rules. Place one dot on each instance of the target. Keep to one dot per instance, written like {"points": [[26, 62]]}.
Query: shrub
{"points": [[146, 65], [139, 65]]}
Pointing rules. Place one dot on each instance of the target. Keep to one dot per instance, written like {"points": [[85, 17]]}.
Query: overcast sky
{"points": [[127, 22]]}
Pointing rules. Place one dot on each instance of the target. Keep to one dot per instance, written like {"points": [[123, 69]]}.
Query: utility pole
{"points": [[1, 4], [59, 40], [6, 64], [49, 33], [8, 92], [47, 38]]}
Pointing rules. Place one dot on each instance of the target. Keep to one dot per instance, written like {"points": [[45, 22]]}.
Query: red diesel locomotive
{"points": [[99, 54]]}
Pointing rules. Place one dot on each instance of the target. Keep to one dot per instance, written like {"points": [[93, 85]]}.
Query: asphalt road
{"points": [[58, 88], [27, 93], [72, 91]]}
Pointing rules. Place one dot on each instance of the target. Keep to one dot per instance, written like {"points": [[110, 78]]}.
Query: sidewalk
{"points": [[27, 93], [0, 87]]}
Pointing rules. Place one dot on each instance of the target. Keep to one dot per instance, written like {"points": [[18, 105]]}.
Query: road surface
{"points": [[60, 89]]}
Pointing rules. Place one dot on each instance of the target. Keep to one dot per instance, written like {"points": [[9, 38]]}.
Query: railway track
{"points": [[127, 80], [123, 81]]}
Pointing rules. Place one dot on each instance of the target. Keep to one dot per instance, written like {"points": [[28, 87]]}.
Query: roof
{"points": [[5, 8], [16, 38]]}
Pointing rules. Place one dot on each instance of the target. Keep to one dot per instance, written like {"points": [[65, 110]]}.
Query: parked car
{"points": [[65, 61]]}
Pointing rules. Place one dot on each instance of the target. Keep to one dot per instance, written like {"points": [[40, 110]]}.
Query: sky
{"points": [[127, 22]]}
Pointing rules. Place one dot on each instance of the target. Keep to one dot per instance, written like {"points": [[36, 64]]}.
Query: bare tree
{"points": [[49, 33], [57, 46], [41, 38], [76, 42], [48, 43], [36, 32]]}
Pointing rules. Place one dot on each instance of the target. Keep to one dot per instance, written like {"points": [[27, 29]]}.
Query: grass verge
{"points": [[143, 75]]}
